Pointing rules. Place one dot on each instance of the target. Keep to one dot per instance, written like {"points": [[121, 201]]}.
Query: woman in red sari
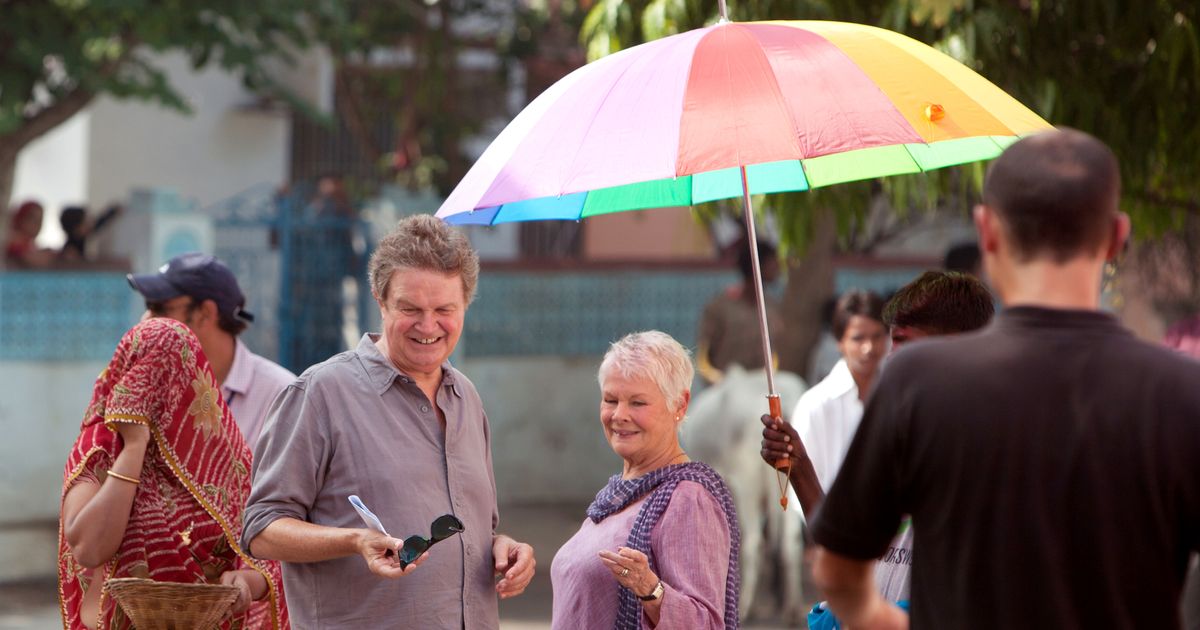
{"points": [[155, 486]]}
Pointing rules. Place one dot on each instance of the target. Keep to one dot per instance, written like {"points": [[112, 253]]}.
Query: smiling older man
{"points": [[392, 422]]}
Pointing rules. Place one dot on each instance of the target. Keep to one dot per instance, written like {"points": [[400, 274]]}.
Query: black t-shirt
{"points": [[1051, 464]]}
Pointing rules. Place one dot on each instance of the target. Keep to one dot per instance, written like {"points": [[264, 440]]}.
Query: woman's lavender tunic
{"points": [[691, 546]]}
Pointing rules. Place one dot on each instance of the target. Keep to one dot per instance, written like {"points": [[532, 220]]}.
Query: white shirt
{"points": [[826, 418], [251, 386]]}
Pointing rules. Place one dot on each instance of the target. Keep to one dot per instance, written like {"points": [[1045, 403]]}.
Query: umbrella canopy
{"points": [[799, 104]]}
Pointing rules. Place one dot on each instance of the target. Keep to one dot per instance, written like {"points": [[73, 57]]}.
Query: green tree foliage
{"points": [[56, 56]]}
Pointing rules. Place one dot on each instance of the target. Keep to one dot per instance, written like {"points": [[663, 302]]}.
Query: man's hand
{"points": [[515, 563], [780, 441], [382, 554]]}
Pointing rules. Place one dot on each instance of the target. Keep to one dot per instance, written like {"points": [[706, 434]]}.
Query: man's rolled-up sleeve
{"points": [[289, 461], [860, 515]]}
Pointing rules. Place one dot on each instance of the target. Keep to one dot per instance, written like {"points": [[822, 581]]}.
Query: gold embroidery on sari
{"points": [[205, 410]]}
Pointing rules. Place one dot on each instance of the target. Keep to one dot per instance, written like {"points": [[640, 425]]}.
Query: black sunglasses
{"points": [[442, 528]]}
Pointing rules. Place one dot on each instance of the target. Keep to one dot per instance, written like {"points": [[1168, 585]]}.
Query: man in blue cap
{"points": [[201, 292]]}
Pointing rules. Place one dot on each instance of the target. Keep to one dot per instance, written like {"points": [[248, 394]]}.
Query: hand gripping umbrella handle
{"points": [[784, 464]]}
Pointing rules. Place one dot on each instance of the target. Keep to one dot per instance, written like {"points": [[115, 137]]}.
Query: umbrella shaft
{"points": [[760, 301]]}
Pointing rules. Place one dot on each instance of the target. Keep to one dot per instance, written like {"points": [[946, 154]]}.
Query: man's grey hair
{"points": [[655, 355], [424, 242]]}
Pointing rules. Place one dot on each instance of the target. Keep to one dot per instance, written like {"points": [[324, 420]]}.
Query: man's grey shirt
{"points": [[354, 424]]}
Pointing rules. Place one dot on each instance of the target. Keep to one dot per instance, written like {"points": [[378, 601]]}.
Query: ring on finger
{"points": [[625, 572]]}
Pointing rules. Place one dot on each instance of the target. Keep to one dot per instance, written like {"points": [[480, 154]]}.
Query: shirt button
{"points": [[425, 408]]}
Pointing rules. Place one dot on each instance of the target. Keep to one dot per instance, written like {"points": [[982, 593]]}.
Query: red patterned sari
{"points": [[187, 513]]}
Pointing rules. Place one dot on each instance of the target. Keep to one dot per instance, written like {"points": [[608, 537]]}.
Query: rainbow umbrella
{"points": [[737, 109]]}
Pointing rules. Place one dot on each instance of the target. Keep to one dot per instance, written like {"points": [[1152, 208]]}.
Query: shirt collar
{"points": [[841, 380], [241, 372], [383, 373]]}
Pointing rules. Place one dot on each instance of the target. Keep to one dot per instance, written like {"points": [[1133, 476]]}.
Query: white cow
{"points": [[724, 431]]}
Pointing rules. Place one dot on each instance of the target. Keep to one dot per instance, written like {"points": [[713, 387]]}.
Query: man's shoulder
{"points": [[330, 371]]}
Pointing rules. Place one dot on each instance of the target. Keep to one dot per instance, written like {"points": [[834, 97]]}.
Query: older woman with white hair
{"points": [[660, 545]]}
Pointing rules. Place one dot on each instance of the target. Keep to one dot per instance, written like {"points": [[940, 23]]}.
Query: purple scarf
{"points": [[660, 483]]}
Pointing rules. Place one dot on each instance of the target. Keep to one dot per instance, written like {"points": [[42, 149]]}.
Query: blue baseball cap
{"points": [[196, 275]]}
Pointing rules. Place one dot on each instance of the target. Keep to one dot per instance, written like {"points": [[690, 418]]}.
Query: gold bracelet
{"points": [[133, 480]]}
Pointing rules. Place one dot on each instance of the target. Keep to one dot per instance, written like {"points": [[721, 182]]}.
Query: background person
{"points": [[1051, 462], [964, 258], [660, 545], [200, 291], [394, 423], [937, 303], [21, 250], [154, 486], [79, 228], [729, 327]]}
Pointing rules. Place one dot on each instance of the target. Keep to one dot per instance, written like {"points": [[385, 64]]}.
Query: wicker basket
{"points": [[152, 605]]}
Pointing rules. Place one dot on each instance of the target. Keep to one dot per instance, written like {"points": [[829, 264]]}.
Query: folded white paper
{"points": [[367, 515]]}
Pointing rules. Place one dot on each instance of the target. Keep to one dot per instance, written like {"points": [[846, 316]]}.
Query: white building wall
{"points": [[39, 431], [224, 146]]}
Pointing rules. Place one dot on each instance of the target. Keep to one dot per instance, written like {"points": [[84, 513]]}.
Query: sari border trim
{"points": [[169, 456]]}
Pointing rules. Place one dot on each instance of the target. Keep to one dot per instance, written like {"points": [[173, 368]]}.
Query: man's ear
{"points": [[208, 311], [988, 229], [1121, 229]]}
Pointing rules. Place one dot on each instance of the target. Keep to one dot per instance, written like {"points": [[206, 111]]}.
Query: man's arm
{"points": [[293, 540], [849, 587]]}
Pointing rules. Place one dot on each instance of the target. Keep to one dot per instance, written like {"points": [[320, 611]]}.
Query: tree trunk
{"points": [[809, 285], [8, 171]]}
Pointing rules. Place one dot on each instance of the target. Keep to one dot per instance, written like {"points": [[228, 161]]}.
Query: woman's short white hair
{"points": [[655, 355]]}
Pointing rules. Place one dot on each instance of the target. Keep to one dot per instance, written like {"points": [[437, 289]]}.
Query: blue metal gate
{"points": [[302, 269]]}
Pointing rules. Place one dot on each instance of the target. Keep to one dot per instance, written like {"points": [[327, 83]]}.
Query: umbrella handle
{"points": [[777, 415]]}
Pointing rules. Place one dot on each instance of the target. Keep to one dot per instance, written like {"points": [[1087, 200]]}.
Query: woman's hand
{"points": [[133, 433], [631, 568], [249, 583]]}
